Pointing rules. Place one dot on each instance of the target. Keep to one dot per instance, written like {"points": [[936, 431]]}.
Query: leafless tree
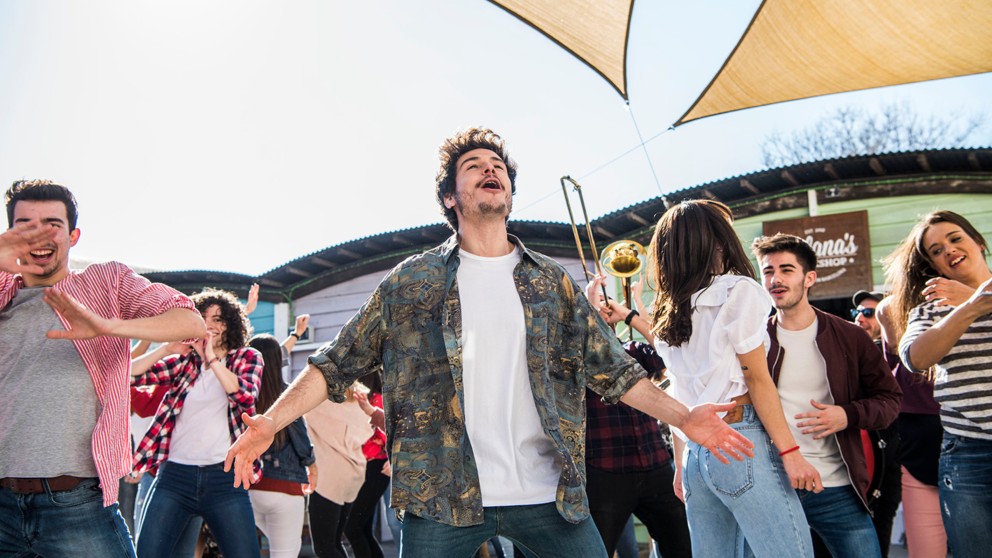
{"points": [[856, 131]]}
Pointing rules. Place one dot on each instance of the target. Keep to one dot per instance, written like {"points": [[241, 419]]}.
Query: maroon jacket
{"points": [[859, 380]]}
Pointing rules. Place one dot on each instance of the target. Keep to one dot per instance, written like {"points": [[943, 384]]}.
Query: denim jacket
{"points": [[411, 328], [287, 463]]}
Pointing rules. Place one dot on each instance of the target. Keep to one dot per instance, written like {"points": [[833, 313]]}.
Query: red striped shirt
{"points": [[111, 290]]}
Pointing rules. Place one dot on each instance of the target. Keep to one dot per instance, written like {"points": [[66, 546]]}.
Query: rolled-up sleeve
{"points": [[355, 351]]}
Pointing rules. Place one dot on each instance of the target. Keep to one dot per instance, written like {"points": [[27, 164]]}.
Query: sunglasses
{"points": [[866, 312]]}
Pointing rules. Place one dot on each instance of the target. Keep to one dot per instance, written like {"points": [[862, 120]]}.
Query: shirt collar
{"points": [[450, 247]]}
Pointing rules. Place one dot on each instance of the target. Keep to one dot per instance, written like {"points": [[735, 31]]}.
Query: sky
{"points": [[240, 135]]}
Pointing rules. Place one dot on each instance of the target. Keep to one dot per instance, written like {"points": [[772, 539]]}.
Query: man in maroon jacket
{"points": [[833, 382]]}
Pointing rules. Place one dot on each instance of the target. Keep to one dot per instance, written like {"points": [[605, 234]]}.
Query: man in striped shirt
{"points": [[64, 376]]}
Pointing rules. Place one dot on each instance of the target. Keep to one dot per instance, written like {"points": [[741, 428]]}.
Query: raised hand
{"points": [[363, 402], [249, 446], [204, 347], [947, 292], [16, 243], [704, 427], [301, 324], [252, 301], [83, 323]]}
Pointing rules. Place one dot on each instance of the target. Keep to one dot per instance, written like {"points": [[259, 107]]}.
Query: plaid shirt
{"points": [[112, 290], [411, 327], [619, 438], [180, 372]]}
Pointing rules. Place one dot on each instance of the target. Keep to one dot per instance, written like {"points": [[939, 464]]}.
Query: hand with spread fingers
{"points": [[17, 242], [249, 447], [826, 420], [946, 292], [83, 322], [704, 427]]}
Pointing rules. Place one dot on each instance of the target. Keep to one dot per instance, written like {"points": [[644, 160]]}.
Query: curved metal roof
{"points": [[855, 177]]}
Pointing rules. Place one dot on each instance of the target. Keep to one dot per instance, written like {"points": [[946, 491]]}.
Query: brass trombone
{"points": [[622, 258]]}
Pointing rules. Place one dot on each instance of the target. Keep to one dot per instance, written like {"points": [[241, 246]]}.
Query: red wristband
{"points": [[790, 450]]}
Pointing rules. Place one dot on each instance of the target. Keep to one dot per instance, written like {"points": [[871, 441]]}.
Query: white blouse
{"points": [[729, 317]]}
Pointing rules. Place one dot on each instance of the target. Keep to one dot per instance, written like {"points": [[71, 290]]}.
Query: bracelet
{"points": [[296, 335], [212, 361], [630, 317], [790, 450]]}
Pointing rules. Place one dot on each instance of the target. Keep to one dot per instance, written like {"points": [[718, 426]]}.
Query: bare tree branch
{"points": [[855, 131]]}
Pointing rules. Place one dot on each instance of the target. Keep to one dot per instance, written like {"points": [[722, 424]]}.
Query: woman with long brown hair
{"points": [[942, 302], [288, 468], [709, 324]]}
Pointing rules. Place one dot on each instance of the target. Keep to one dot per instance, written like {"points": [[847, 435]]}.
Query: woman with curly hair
{"points": [[211, 384], [709, 324], [942, 302]]}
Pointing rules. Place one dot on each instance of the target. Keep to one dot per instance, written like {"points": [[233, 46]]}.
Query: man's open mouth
{"points": [[492, 184]]}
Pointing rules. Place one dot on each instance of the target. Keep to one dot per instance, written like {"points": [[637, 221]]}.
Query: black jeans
{"points": [[649, 495], [360, 527], [327, 521]]}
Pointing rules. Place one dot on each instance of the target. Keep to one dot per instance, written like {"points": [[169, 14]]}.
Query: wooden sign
{"points": [[843, 250]]}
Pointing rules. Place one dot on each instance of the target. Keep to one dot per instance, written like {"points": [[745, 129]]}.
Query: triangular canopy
{"points": [[595, 31], [795, 49]]}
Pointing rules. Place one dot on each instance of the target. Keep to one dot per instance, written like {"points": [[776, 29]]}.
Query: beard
{"points": [[486, 210]]}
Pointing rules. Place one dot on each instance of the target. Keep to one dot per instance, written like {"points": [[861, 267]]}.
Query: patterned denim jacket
{"points": [[411, 327]]}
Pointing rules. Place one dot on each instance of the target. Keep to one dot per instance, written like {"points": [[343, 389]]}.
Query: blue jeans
{"points": [[965, 487], [180, 494], [842, 521], [745, 507], [539, 529], [65, 523]]}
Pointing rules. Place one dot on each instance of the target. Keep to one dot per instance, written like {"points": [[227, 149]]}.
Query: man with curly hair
{"points": [[64, 362], [486, 349]]}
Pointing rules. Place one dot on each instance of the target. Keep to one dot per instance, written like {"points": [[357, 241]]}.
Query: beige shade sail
{"points": [[795, 49], [595, 31]]}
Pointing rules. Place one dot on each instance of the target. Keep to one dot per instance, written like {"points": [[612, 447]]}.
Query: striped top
{"points": [[111, 290], [963, 385]]}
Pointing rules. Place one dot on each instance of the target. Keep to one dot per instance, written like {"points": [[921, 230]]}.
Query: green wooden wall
{"points": [[889, 219]]}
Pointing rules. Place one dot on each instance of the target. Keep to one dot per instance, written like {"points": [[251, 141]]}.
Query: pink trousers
{"points": [[925, 536]]}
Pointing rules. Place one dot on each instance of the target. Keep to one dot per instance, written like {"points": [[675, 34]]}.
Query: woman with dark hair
{"points": [[942, 298], [288, 468], [212, 383], [709, 325]]}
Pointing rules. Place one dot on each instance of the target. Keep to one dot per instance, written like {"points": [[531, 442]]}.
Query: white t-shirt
{"points": [[729, 317], [517, 462], [202, 435], [804, 377]]}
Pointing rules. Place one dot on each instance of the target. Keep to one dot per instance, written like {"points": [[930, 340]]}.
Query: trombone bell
{"points": [[623, 258]]}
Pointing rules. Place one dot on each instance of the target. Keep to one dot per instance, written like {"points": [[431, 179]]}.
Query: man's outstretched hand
{"points": [[249, 446], [705, 428], [83, 322]]}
